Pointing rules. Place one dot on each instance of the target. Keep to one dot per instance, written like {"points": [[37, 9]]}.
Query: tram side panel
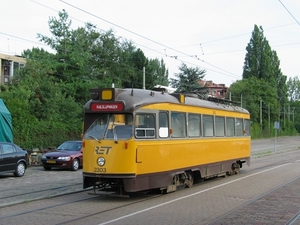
{"points": [[163, 156]]}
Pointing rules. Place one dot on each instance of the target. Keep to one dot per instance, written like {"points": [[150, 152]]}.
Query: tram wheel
{"points": [[189, 181], [235, 168]]}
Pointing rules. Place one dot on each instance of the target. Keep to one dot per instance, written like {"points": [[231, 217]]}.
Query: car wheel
{"points": [[47, 167], [20, 170], [75, 165]]}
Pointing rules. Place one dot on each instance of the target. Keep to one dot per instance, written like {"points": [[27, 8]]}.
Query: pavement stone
{"points": [[277, 207]]}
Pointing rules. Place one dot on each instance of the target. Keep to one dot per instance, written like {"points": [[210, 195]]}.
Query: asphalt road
{"points": [[38, 183], [56, 196]]}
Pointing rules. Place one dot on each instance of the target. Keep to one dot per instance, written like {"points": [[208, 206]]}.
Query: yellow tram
{"points": [[137, 140]]}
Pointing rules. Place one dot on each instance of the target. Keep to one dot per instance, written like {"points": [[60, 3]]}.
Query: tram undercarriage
{"points": [[165, 183]]}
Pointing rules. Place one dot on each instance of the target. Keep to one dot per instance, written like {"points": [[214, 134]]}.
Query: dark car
{"points": [[67, 155], [13, 159]]}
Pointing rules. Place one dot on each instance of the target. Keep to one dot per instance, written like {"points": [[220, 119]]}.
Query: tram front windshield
{"points": [[110, 126]]}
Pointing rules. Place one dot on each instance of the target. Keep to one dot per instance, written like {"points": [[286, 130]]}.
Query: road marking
{"points": [[187, 196]]}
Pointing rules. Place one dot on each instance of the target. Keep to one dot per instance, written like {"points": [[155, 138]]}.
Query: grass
{"points": [[261, 154]]}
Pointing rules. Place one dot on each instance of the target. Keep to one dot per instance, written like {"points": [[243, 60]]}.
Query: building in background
{"points": [[10, 65], [213, 90]]}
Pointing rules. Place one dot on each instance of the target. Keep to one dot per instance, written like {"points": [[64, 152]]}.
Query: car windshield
{"points": [[110, 126], [70, 146]]}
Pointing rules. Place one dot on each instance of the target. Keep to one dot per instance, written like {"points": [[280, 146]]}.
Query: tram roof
{"points": [[135, 98]]}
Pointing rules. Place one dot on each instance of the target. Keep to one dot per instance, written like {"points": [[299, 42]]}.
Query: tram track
{"points": [[294, 219], [223, 218], [44, 208], [108, 210], [81, 200], [37, 192], [34, 195], [258, 165], [38, 184], [144, 199]]}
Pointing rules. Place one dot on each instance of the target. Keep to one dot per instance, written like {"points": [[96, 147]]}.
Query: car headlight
{"points": [[43, 157], [64, 158]]}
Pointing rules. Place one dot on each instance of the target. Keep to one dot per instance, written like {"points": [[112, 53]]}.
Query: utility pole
{"points": [[144, 78], [242, 100], [284, 115], [293, 114], [269, 118], [261, 112]]}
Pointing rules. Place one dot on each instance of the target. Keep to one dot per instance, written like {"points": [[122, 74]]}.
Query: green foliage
{"points": [[256, 94], [256, 131], [42, 116], [156, 73], [263, 89], [258, 57], [293, 89], [187, 80], [47, 97]]}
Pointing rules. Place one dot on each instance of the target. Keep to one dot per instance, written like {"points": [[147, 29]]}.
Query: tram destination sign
{"points": [[106, 106]]}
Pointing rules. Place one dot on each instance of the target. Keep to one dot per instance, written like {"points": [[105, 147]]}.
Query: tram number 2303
{"points": [[99, 170]]}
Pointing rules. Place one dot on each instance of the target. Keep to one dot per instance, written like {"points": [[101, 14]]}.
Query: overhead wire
{"points": [[227, 72], [96, 28], [146, 38], [40, 43], [289, 12], [234, 36], [175, 58]]}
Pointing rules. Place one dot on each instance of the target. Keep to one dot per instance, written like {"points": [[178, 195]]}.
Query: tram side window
{"points": [[220, 126], [239, 127], [246, 127], [163, 125], [194, 125], [178, 124], [229, 127], [145, 125], [208, 126]]}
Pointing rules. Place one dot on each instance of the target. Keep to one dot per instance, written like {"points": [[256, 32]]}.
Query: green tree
{"points": [[132, 62], [137, 61], [47, 97], [262, 71], [16, 100], [54, 117], [253, 92], [187, 80], [85, 58], [294, 97], [293, 85], [258, 59], [156, 73]]}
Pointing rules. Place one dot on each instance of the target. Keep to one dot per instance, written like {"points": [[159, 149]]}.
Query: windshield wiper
{"points": [[94, 138], [115, 134], [114, 130]]}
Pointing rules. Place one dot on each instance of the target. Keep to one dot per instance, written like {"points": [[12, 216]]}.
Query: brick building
{"points": [[213, 89]]}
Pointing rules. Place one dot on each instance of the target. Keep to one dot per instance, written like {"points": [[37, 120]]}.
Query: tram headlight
{"points": [[101, 161]]}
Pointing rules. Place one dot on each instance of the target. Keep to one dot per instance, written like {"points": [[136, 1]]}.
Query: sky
{"points": [[209, 34]]}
